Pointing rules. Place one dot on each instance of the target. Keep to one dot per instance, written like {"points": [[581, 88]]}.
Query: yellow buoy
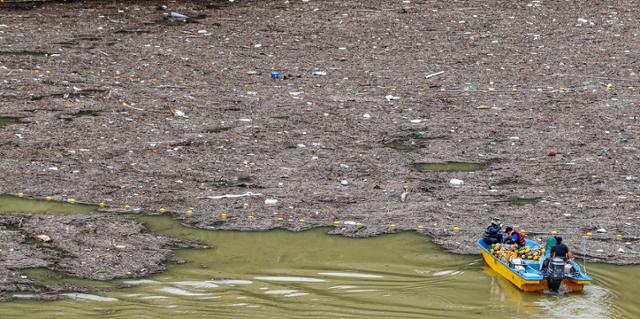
{"points": [[49, 198], [71, 201], [280, 219], [251, 217], [589, 234], [393, 226], [523, 231], [301, 221], [420, 227], [162, 210], [456, 228], [21, 194], [126, 206], [619, 236], [554, 233], [101, 204], [223, 216], [336, 222], [359, 225], [188, 213]]}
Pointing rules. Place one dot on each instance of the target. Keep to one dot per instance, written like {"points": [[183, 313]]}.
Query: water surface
{"points": [[280, 274]]}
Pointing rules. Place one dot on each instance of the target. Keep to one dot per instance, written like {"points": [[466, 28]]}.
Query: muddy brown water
{"points": [[288, 275]]}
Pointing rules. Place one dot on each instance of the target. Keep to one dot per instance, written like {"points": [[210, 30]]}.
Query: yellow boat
{"points": [[527, 275]]}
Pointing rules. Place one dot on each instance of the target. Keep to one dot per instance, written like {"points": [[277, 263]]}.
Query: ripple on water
{"points": [[231, 282], [180, 292], [349, 275], [140, 282], [289, 279], [88, 297], [280, 292], [592, 303], [196, 284]]}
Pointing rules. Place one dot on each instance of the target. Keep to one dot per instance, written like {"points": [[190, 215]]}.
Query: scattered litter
{"points": [[416, 121], [433, 75], [202, 31], [601, 230], [247, 194], [366, 116], [349, 222], [300, 146], [620, 250], [470, 87], [483, 107], [551, 154], [178, 113], [344, 182], [275, 75], [257, 45], [391, 98], [567, 215], [244, 120], [319, 73], [177, 17], [422, 134], [456, 182], [43, 238]]}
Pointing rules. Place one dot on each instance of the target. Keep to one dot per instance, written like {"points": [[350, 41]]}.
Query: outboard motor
{"points": [[555, 274]]}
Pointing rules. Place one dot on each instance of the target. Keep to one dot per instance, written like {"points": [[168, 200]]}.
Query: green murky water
{"points": [[4, 121], [281, 274], [14, 204]]}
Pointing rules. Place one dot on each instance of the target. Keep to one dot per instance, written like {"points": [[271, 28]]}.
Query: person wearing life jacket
{"points": [[514, 236]]}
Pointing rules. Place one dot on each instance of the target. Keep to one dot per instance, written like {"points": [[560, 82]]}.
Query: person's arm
{"points": [[569, 254]]}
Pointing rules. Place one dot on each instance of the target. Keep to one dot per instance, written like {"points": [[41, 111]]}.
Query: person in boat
{"points": [[514, 236], [551, 241], [492, 234], [561, 250]]}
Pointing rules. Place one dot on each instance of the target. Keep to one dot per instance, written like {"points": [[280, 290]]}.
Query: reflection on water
{"points": [[281, 274]]}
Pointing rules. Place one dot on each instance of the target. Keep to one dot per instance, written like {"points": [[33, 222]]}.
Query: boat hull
{"points": [[523, 284]]}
